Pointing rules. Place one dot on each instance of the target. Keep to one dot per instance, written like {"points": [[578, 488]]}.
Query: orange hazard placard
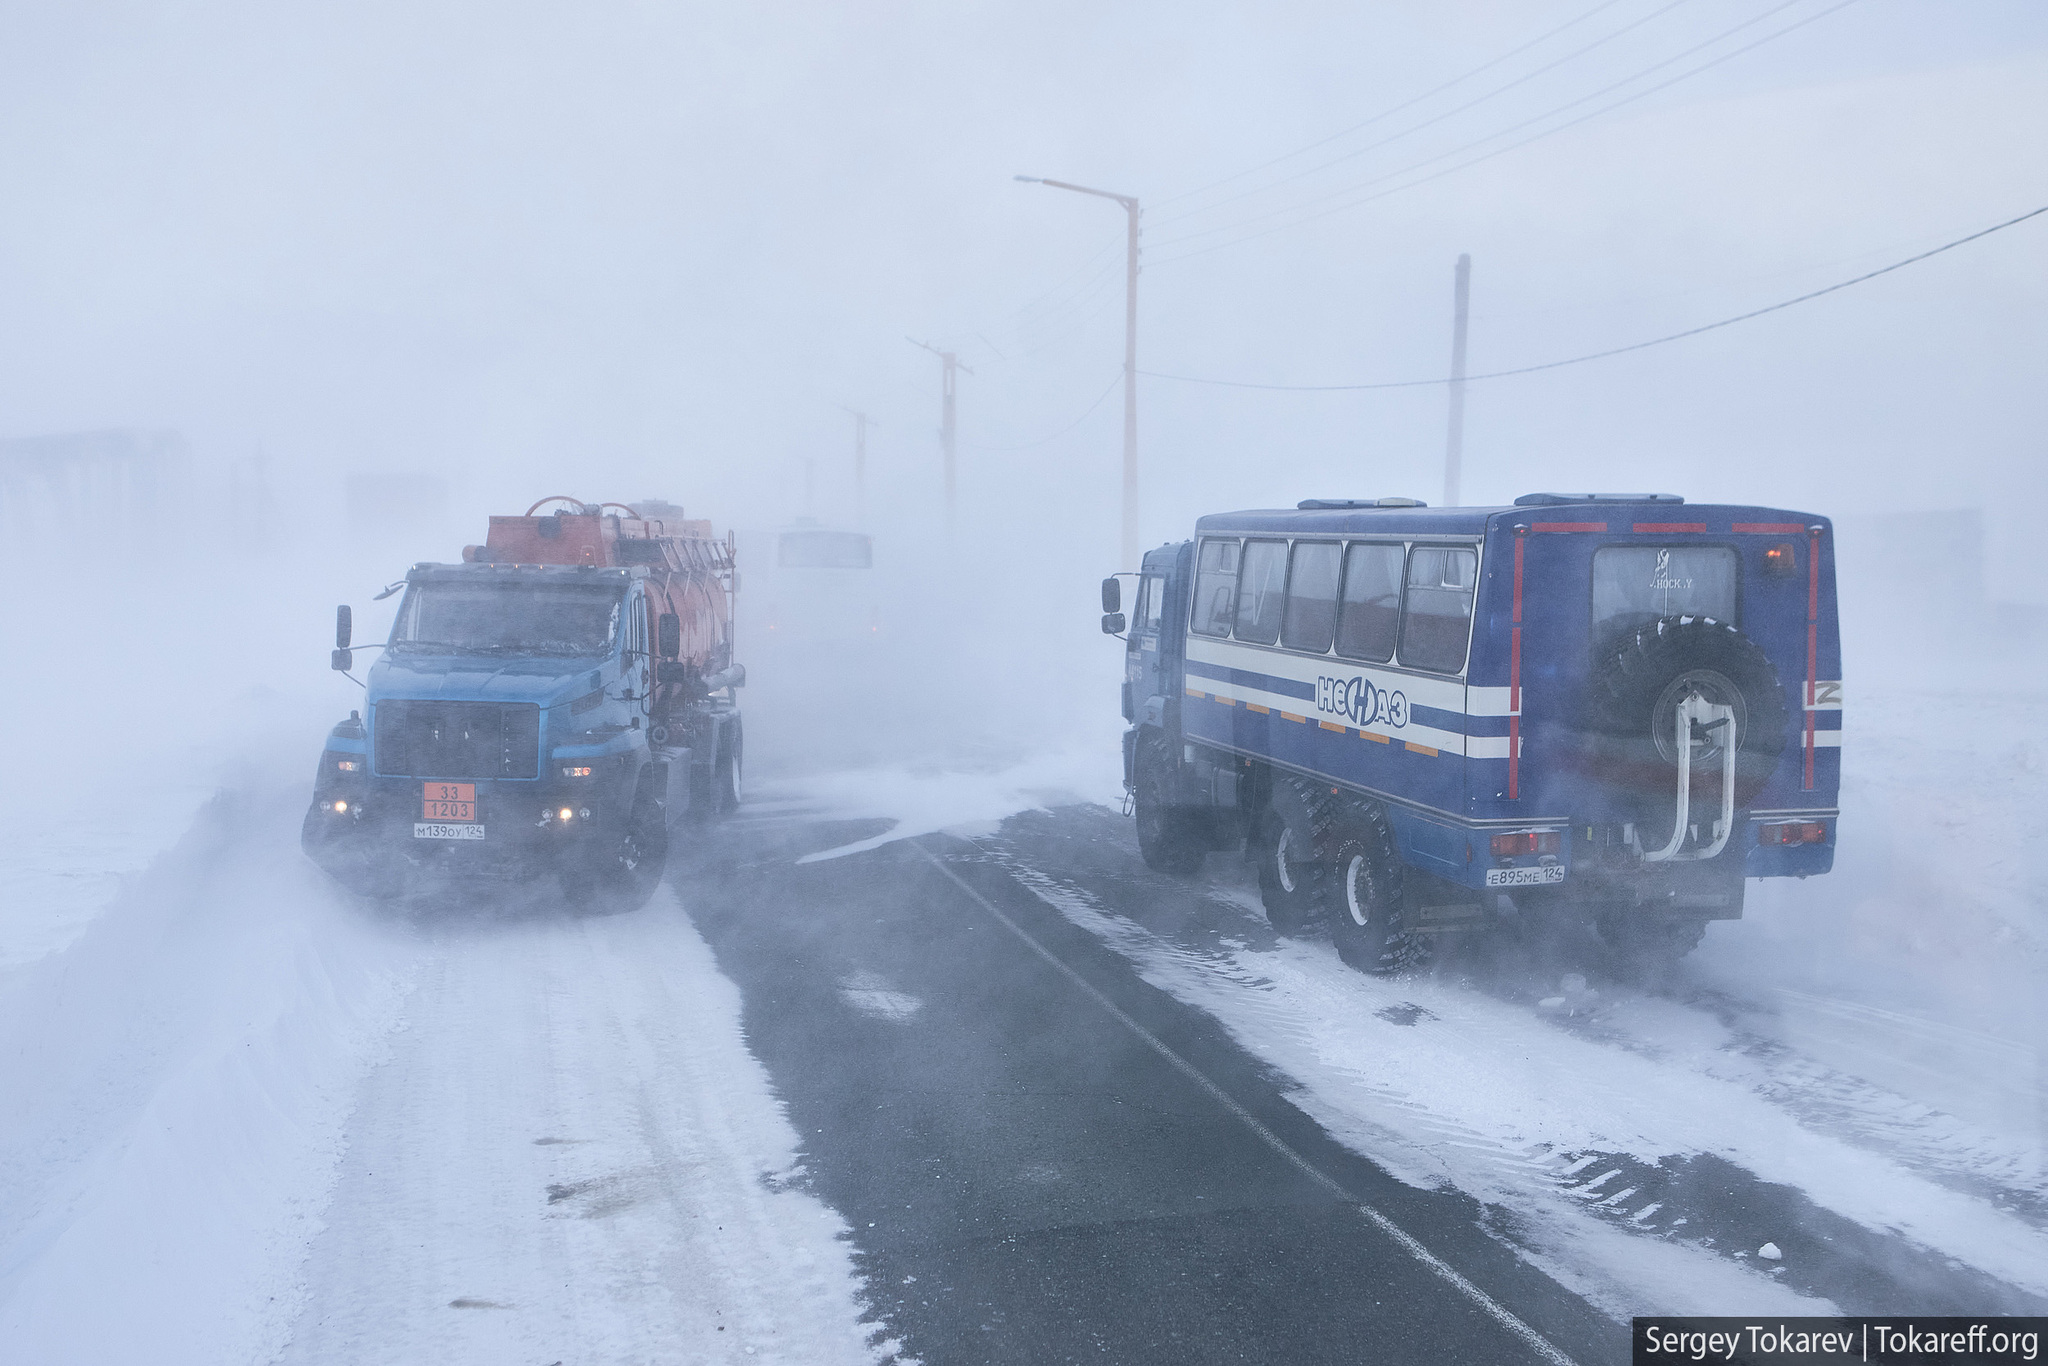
{"points": [[450, 802]]}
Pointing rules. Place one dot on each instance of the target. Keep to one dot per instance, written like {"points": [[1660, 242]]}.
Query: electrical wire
{"points": [[1500, 133], [1390, 112], [1618, 350], [1432, 121], [1086, 413]]}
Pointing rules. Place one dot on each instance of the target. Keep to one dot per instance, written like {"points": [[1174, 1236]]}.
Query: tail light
{"points": [[1525, 842], [1793, 832], [1781, 560]]}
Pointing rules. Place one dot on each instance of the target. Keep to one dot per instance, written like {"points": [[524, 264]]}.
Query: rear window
{"points": [[1215, 588], [1312, 596], [1437, 621], [1261, 591], [824, 550], [1371, 610], [1634, 585]]}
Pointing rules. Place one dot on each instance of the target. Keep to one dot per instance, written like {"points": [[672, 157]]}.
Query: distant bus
{"points": [[805, 584]]}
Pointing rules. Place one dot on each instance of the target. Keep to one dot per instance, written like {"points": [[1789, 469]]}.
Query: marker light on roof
{"points": [[1781, 560]]}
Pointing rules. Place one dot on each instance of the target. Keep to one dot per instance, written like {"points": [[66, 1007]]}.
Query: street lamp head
{"points": [[1028, 179]]}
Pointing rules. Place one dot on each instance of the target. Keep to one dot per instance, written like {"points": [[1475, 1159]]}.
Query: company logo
{"points": [[1360, 703]]}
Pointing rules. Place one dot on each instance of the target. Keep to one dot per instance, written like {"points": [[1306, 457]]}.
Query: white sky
{"points": [[649, 248]]}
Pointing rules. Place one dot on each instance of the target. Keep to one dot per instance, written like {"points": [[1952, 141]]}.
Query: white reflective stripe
{"points": [[1487, 747], [1827, 739], [1445, 694], [1488, 701]]}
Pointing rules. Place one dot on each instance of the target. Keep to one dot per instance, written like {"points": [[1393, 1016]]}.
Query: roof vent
{"points": [[1547, 500], [1346, 504]]}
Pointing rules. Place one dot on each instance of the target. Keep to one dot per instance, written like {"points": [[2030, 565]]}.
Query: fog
{"points": [[297, 296]]}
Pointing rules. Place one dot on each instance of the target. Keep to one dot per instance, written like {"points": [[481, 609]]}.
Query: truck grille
{"points": [[456, 740]]}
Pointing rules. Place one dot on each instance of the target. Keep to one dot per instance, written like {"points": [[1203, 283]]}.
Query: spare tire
{"points": [[1638, 683]]}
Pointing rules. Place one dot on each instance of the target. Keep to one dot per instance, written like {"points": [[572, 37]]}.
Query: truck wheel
{"points": [[728, 777], [1289, 885], [1647, 947], [633, 868], [1363, 894], [1168, 836]]}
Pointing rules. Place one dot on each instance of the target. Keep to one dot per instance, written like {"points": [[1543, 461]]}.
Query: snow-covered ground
{"points": [[245, 1117]]}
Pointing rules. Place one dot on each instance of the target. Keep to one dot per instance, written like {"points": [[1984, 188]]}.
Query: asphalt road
{"points": [[1044, 1159]]}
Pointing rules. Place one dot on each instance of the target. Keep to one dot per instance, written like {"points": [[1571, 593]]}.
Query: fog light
{"points": [[1793, 832], [347, 765], [584, 813], [564, 814], [340, 807], [1524, 842]]}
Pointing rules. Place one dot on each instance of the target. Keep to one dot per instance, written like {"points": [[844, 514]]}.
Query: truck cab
{"points": [[531, 718], [1421, 721]]}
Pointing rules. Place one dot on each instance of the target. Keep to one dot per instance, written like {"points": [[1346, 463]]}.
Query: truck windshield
{"points": [[510, 618]]}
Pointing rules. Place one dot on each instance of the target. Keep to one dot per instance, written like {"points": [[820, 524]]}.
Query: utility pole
{"points": [[949, 434], [860, 469], [1131, 211], [1454, 448]]}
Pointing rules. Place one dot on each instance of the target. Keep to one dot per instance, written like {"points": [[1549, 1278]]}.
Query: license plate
{"points": [[1525, 877], [439, 830], [449, 802]]}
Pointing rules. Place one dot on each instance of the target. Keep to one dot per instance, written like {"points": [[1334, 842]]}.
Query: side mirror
{"points": [[668, 635], [671, 671], [344, 626], [341, 661], [1113, 623], [1113, 595]]}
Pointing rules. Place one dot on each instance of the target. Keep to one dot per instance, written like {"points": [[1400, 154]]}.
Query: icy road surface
{"points": [[250, 1119]]}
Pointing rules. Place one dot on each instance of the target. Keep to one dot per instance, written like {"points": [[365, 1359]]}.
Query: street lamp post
{"points": [[1130, 203]]}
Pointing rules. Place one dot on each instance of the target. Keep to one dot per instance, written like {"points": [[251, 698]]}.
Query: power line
{"points": [[1618, 350], [1390, 112], [1432, 121], [1086, 413], [1500, 133]]}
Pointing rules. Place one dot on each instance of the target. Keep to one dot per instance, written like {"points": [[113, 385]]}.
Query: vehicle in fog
{"points": [[811, 585], [552, 704], [1425, 720]]}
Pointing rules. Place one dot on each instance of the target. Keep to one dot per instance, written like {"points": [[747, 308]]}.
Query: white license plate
{"points": [[1525, 877], [437, 830]]}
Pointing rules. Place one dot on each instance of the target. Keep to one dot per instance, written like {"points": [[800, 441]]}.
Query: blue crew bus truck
{"points": [[1419, 721], [549, 706]]}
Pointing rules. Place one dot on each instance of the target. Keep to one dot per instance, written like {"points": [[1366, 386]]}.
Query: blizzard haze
{"points": [[355, 277]]}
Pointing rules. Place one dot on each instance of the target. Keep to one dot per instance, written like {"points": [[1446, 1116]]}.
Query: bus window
{"points": [[1216, 588], [1634, 585], [1261, 591], [1436, 619], [1371, 609], [1311, 619]]}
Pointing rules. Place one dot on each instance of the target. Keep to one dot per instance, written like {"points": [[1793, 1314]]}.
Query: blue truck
{"points": [[1420, 721], [549, 707]]}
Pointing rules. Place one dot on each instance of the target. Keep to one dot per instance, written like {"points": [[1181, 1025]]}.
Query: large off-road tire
{"points": [[1647, 947], [1636, 690], [628, 871], [726, 779], [1171, 838], [1289, 884], [1362, 894]]}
